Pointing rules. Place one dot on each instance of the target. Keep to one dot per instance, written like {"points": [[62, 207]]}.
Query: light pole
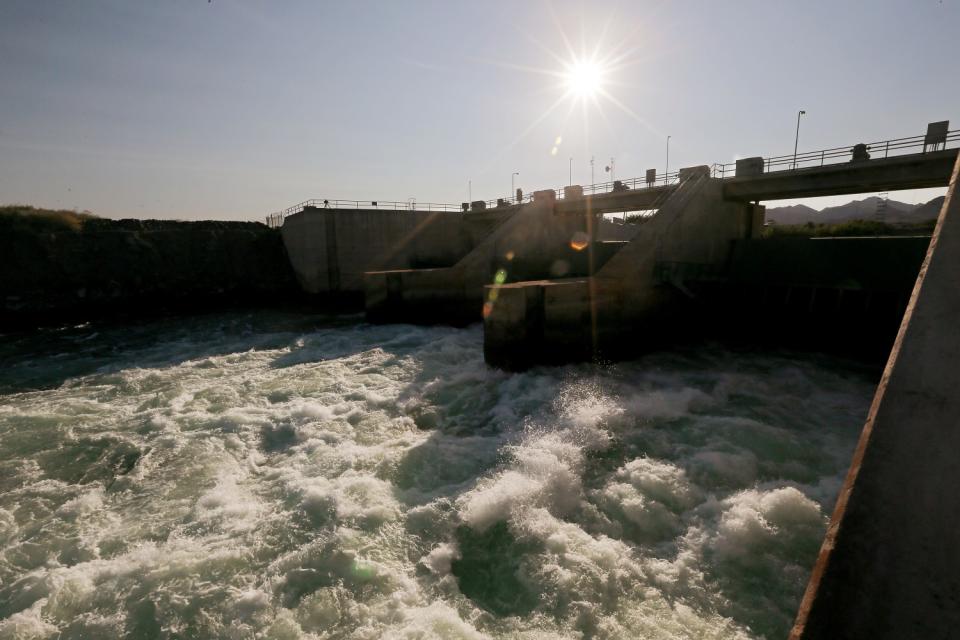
{"points": [[570, 179], [592, 180], [796, 140], [666, 170], [513, 191], [469, 190]]}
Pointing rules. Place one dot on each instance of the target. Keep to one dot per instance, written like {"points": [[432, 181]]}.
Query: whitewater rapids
{"points": [[282, 476]]}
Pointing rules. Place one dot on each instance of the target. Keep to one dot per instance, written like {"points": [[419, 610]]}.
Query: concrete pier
{"points": [[534, 240], [631, 299], [889, 566]]}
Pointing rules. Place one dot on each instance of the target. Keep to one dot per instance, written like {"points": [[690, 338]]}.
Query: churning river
{"points": [[275, 475]]}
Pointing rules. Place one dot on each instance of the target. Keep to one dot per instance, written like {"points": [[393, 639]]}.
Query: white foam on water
{"points": [[235, 480]]}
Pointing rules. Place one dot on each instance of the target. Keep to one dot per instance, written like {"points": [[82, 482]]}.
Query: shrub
{"points": [[850, 228], [21, 217]]}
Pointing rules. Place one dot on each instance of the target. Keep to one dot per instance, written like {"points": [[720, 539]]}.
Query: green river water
{"points": [[274, 475]]}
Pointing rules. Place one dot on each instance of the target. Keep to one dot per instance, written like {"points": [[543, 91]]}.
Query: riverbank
{"points": [[64, 266]]}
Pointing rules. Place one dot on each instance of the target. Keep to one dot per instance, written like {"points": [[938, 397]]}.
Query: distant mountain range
{"points": [[893, 212]]}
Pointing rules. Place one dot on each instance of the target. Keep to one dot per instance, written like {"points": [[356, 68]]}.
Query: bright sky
{"points": [[235, 108]]}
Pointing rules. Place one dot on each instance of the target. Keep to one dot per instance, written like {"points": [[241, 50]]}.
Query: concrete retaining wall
{"points": [[890, 564], [330, 249]]}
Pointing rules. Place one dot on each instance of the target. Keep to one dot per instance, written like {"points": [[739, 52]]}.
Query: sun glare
{"points": [[584, 78]]}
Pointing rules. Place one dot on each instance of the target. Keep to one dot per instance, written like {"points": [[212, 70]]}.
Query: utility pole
{"points": [[666, 170], [469, 190], [796, 140], [592, 180], [512, 190], [570, 179]]}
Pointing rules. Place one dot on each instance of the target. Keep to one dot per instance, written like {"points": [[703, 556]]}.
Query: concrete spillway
{"points": [[539, 239], [631, 298]]}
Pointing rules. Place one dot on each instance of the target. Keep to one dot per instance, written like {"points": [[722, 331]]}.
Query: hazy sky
{"points": [[233, 109]]}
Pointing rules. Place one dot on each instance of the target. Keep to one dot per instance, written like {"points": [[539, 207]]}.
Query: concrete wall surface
{"points": [[533, 242], [889, 566], [876, 264], [624, 303], [330, 249], [609, 230]]}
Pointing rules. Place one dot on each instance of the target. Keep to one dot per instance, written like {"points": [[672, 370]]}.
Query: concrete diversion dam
{"points": [[555, 282], [257, 474]]}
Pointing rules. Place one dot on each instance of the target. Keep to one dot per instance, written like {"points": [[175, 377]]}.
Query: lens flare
{"points": [[579, 241]]}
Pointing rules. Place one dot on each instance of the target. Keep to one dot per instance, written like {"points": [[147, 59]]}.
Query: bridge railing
{"points": [[599, 188], [804, 160], [839, 155], [276, 219]]}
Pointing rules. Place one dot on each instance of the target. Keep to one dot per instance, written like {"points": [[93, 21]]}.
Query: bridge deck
{"points": [[913, 171]]}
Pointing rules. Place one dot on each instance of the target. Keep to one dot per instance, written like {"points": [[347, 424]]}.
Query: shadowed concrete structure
{"points": [[330, 249], [533, 240], [641, 298], [631, 297], [889, 566]]}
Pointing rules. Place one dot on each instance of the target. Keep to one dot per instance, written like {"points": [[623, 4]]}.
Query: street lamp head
{"points": [[802, 112]]}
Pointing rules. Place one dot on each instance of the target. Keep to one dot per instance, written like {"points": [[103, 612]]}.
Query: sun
{"points": [[584, 78]]}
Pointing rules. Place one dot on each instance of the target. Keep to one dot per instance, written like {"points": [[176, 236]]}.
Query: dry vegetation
{"points": [[21, 217], [851, 228]]}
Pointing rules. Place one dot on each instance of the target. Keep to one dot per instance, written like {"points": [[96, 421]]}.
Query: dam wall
{"points": [[631, 298], [535, 241], [888, 565], [330, 249], [60, 268], [839, 295]]}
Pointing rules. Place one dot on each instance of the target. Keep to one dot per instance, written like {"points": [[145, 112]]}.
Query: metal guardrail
{"points": [[839, 155], [662, 179], [276, 219], [805, 160]]}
